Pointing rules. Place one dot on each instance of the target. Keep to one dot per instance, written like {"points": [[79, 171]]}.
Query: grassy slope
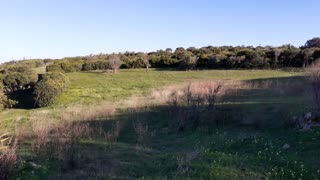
{"points": [[228, 152], [91, 87]]}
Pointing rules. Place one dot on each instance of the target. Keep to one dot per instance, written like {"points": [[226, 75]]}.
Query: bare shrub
{"points": [[173, 100], [314, 71], [8, 158], [141, 131], [213, 91], [41, 140], [188, 103], [184, 162], [145, 59], [115, 62], [113, 134], [66, 139], [61, 142]]}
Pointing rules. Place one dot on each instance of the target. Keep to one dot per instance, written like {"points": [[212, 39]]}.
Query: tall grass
{"points": [[8, 156]]}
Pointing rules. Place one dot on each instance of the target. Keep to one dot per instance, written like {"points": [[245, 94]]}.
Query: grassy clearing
{"points": [[93, 87], [247, 143]]}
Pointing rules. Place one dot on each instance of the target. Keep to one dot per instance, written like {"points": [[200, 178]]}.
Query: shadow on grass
{"points": [[244, 141]]}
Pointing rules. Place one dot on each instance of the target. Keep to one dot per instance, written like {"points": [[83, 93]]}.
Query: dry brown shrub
{"points": [[8, 159], [141, 131], [188, 102], [314, 71], [113, 134], [60, 142], [66, 138]]}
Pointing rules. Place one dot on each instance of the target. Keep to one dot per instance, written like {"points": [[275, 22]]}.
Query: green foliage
{"points": [[19, 77], [54, 68], [315, 42], [5, 102], [65, 67], [49, 88], [188, 63], [96, 65]]}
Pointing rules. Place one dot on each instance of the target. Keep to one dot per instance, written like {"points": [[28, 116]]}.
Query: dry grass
{"points": [[314, 71], [61, 142], [87, 113], [141, 131], [113, 134], [8, 159]]}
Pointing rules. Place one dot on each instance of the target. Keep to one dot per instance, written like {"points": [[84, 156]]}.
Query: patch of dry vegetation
{"points": [[8, 156]]}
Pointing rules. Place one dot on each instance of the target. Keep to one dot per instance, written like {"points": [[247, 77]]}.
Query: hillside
{"points": [[129, 128]]}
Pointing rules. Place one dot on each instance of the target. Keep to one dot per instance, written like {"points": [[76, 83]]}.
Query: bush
{"points": [[62, 142], [20, 80], [188, 106], [5, 102], [8, 158], [71, 67], [54, 68], [315, 82], [50, 87], [64, 67], [188, 63], [96, 65]]}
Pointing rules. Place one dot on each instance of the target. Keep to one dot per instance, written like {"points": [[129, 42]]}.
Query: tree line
{"points": [[18, 75], [210, 57]]}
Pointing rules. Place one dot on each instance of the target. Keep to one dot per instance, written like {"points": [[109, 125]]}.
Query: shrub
{"points": [[96, 65], [62, 142], [141, 131], [71, 67], [115, 62], [5, 102], [315, 81], [54, 68], [188, 63], [188, 105], [19, 78], [8, 159], [65, 67], [50, 87]]}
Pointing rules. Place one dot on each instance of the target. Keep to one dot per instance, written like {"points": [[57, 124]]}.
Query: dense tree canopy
{"points": [[210, 57]]}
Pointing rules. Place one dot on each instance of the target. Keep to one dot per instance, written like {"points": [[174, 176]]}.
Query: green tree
{"points": [[315, 42], [49, 88]]}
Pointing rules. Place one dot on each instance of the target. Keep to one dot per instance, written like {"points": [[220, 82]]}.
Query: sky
{"points": [[60, 28]]}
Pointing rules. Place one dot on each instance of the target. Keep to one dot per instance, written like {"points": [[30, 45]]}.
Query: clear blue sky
{"points": [[59, 28]]}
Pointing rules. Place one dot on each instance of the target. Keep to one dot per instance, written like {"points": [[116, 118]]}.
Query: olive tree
{"points": [[145, 59], [115, 62]]}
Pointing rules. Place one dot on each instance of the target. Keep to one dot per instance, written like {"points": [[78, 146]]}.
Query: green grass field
{"points": [[231, 150], [92, 87]]}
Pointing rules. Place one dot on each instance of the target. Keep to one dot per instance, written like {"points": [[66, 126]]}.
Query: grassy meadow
{"points": [[132, 135]]}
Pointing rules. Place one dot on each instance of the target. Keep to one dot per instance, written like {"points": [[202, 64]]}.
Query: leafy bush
{"points": [[49, 88], [71, 67], [19, 78], [65, 67], [5, 102], [54, 68], [96, 65], [188, 63]]}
